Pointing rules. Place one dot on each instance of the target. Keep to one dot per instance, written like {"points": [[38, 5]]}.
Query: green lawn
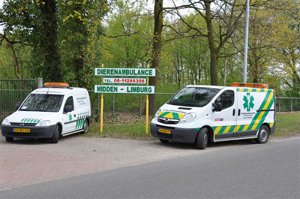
{"points": [[287, 124], [134, 130]]}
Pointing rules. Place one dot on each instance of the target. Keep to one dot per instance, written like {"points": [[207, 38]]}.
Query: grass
{"points": [[133, 130], [287, 124]]}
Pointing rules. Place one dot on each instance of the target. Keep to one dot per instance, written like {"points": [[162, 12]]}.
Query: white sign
{"points": [[124, 89], [125, 80], [129, 72]]}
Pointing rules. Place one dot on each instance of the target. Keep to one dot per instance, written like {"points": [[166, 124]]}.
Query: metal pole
{"points": [[40, 82], [246, 41], [101, 109]]}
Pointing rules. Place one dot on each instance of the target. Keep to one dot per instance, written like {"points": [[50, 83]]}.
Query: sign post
{"points": [[131, 80], [101, 112], [147, 112]]}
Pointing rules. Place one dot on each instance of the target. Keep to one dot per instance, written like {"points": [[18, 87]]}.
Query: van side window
{"points": [[226, 99], [69, 104]]}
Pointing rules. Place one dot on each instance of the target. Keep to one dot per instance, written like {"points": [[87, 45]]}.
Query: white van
{"points": [[50, 112], [198, 114]]}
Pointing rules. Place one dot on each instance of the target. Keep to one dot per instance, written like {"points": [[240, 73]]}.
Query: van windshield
{"points": [[194, 96], [43, 103]]}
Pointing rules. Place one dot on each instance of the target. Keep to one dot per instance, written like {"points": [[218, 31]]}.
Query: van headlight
{"points": [[188, 117], [44, 123], [157, 113], [5, 122]]}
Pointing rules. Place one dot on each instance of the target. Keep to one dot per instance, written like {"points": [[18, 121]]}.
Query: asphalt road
{"points": [[270, 170]]}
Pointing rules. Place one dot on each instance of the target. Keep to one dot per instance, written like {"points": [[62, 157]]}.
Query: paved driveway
{"points": [[29, 162]]}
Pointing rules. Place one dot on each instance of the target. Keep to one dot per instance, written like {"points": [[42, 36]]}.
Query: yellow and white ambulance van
{"points": [[199, 114], [50, 112]]}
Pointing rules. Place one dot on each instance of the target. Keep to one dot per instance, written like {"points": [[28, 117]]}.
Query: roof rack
{"points": [[252, 85]]}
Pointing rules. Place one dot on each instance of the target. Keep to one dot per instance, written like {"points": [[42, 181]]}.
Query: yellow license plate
{"points": [[21, 130], [166, 131]]}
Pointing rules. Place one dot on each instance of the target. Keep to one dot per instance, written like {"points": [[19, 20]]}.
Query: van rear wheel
{"points": [[202, 139], [263, 134], [85, 127]]}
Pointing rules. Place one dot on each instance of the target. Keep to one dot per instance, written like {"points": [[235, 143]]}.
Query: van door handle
{"points": [[239, 112], [233, 112], [74, 115]]}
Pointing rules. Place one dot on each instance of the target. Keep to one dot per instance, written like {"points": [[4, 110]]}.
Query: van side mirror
{"points": [[68, 108], [217, 106], [17, 106]]}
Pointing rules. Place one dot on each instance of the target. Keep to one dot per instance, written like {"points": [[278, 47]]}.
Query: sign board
{"points": [[125, 80], [127, 72], [124, 89]]}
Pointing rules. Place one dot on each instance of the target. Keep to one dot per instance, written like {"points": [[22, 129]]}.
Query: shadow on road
{"points": [[30, 141], [210, 145]]}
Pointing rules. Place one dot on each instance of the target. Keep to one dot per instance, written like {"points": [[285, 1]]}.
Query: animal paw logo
{"points": [[248, 102]]}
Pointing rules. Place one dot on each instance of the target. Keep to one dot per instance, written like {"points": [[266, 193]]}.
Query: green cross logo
{"points": [[248, 102], [70, 117]]}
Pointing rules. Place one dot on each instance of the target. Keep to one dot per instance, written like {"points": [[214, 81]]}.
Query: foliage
{"points": [[127, 41], [120, 34]]}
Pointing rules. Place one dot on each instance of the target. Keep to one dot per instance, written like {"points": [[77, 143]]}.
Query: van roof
{"points": [[58, 91], [206, 86]]}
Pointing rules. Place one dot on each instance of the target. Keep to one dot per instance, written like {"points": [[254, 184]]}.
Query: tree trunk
{"points": [[211, 43], [78, 59], [52, 70], [156, 49]]}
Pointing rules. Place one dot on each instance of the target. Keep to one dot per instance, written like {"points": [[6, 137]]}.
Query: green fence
{"points": [[115, 105], [13, 91], [287, 104], [129, 104]]}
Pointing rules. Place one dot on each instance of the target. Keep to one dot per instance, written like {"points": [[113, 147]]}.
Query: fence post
{"points": [[40, 82], [291, 104]]}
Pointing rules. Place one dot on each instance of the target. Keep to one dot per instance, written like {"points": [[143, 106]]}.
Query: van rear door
{"points": [[252, 106]]}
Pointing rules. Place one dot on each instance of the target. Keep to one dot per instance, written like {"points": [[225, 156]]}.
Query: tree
{"points": [[128, 36], [156, 49], [48, 41], [34, 23], [221, 19]]}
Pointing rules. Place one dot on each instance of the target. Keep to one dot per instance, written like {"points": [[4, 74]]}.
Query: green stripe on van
{"points": [[261, 107]]}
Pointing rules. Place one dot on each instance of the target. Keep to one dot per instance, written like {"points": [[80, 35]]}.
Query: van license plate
{"points": [[21, 130], [166, 131]]}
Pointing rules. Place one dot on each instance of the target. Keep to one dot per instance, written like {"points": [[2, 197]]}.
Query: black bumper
{"points": [[182, 135], [273, 128], [35, 132]]}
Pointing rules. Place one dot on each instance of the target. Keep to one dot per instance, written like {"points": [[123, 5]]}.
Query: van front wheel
{"points": [[164, 141], [9, 139], [263, 135], [202, 139], [55, 135]]}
